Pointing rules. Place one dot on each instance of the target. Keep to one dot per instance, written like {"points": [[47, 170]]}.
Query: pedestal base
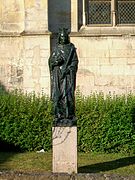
{"points": [[64, 149]]}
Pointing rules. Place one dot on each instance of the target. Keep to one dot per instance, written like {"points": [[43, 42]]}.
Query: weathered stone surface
{"points": [[24, 63], [64, 149], [36, 16], [105, 64], [106, 55], [52, 176], [12, 16]]}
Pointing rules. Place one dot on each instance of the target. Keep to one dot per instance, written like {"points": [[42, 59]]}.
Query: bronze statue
{"points": [[63, 64]]}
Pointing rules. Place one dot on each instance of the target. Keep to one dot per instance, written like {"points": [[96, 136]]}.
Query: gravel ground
{"points": [[6, 175]]}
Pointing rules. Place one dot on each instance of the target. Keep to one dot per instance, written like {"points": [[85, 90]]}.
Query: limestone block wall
{"points": [[36, 71], [106, 64], [24, 63], [12, 16], [25, 45], [106, 59], [36, 15], [11, 62]]}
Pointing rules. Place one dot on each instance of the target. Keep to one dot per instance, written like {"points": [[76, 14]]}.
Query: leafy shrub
{"points": [[26, 120], [105, 124]]}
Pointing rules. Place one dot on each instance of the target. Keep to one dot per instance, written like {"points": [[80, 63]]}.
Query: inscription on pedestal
{"points": [[64, 149]]}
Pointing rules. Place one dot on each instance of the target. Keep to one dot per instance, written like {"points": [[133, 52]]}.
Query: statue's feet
{"points": [[65, 122]]}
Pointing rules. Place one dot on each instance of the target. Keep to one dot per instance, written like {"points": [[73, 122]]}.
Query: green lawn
{"points": [[107, 163], [87, 163]]}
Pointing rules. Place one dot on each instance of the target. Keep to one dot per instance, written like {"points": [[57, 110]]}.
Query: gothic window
{"points": [[110, 12], [126, 12], [99, 12]]}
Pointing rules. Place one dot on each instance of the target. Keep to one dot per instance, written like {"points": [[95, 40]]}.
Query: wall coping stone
{"points": [[87, 31], [16, 34]]}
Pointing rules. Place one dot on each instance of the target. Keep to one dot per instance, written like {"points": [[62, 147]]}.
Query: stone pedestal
{"points": [[64, 149]]}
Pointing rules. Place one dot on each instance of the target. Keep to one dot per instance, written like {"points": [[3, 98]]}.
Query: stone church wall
{"points": [[106, 64], [25, 45], [106, 60]]}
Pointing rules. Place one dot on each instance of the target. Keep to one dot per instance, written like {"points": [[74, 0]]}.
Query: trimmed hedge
{"points": [[25, 120], [105, 124]]}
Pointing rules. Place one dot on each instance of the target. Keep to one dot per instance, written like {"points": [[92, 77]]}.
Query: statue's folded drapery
{"points": [[63, 64]]}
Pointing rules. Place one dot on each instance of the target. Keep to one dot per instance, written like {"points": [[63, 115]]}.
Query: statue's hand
{"points": [[58, 62]]}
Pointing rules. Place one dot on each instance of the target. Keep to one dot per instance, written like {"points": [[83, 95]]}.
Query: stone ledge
{"points": [[18, 34], [90, 31], [9, 34], [61, 176], [25, 33]]}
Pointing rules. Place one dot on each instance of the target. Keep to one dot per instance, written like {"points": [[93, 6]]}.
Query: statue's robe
{"points": [[63, 64]]}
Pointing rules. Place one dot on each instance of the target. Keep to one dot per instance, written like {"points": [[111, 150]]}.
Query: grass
{"points": [[26, 162], [87, 163], [107, 163]]}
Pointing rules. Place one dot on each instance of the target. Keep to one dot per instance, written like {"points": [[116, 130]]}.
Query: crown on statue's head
{"points": [[63, 31], [63, 37]]}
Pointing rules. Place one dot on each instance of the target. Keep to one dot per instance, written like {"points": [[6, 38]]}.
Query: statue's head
{"points": [[63, 37]]}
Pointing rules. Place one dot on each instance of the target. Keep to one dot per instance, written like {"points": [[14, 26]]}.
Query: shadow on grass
{"points": [[107, 166], [8, 147], [7, 151]]}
